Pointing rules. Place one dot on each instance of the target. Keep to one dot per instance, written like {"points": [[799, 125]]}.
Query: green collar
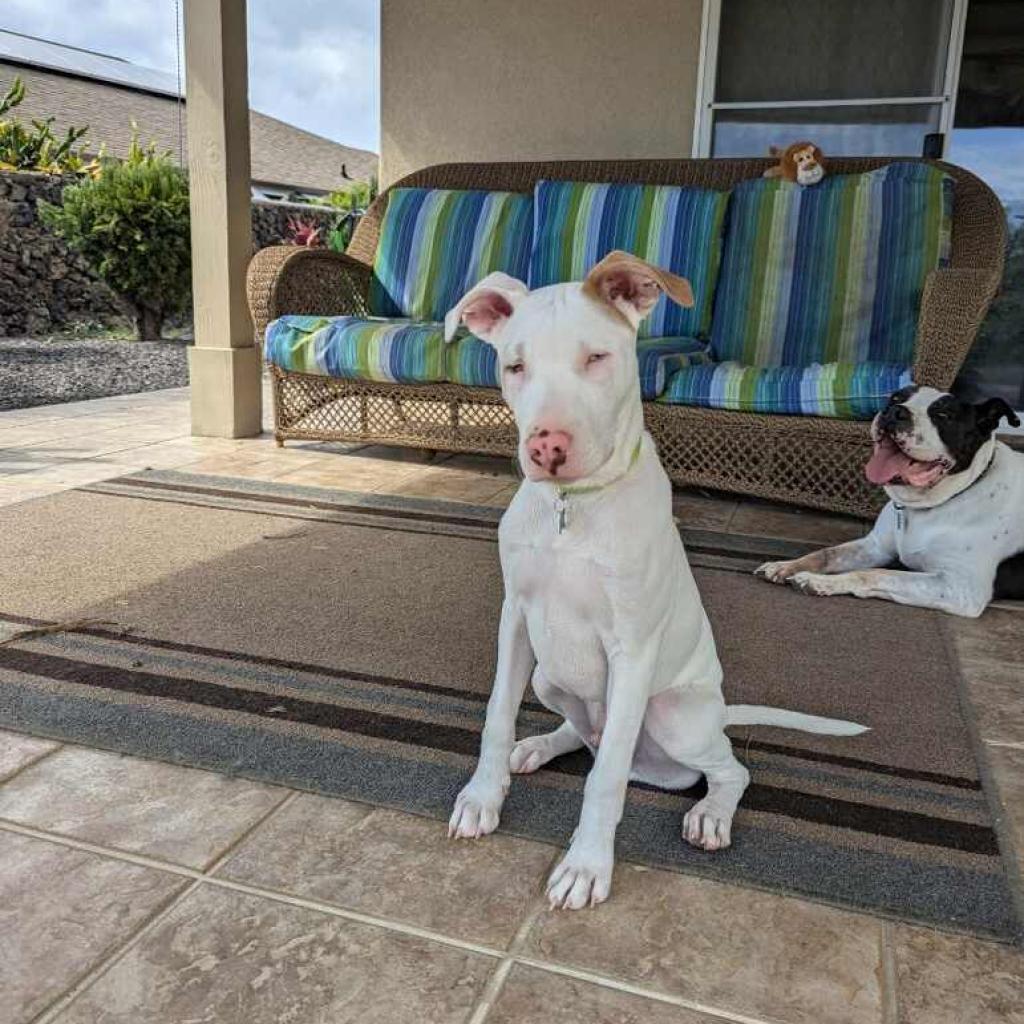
{"points": [[561, 493]]}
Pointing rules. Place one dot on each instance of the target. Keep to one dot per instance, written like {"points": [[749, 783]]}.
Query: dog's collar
{"points": [[563, 493], [902, 506]]}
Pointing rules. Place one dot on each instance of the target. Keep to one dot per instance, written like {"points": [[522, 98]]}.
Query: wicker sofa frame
{"points": [[809, 461]]}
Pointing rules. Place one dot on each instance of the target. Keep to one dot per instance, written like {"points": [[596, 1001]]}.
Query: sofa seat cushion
{"points": [[831, 272], [577, 223], [472, 362], [839, 390], [360, 348], [414, 352], [435, 244]]}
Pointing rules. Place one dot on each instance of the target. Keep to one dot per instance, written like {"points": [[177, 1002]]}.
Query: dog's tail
{"points": [[755, 714]]}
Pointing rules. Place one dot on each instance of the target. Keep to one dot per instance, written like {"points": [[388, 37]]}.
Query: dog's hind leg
{"points": [[708, 824], [690, 726], [531, 753]]}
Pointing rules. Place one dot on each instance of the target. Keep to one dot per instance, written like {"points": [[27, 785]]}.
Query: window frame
{"points": [[707, 74]]}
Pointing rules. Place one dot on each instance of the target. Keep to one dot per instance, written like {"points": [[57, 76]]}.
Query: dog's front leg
{"points": [[584, 876], [940, 590], [478, 806], [864, 553]]}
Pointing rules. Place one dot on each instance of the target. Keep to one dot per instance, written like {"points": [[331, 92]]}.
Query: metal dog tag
{"points": [[561, 514]]}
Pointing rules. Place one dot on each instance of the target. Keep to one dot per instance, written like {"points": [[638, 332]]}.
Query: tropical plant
{"points": [[304, 231], [131, 223], [36, 147], [350, 203]]}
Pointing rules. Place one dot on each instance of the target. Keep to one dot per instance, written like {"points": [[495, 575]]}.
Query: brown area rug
{"points": [[345, 644]]}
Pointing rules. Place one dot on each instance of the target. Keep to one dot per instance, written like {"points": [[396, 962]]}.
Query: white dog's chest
{"points": [[568, 616]]}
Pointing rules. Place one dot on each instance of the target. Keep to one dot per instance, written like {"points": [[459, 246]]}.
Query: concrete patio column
{"points": [[224, 364]]}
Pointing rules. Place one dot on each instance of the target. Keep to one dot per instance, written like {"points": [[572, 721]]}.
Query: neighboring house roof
{"points": [[79, 87]]}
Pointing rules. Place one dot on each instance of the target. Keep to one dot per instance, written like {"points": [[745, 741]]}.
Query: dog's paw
{"points": [[707, 827], [529, 754], [775, 572], [583, 878], [477, 812], [816, 584]]}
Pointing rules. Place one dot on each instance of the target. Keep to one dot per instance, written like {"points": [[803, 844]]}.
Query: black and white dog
{"points": [[955, 519]]}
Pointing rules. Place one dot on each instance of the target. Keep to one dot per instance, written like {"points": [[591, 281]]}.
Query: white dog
{"points": [[601, 610], [955, 518]]}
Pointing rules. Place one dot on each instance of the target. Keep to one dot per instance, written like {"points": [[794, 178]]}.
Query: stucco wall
{"points": [[536, 79]]}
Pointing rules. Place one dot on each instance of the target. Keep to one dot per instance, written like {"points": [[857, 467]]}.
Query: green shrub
{"points": [[36, 148], [351, 204], [131, 223]]}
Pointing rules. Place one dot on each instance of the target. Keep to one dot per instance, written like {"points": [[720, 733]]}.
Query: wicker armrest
{"points": [[953, 306], [291, 279]]}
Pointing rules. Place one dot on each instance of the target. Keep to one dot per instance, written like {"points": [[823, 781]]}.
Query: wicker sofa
{"points": [[807, 460]]}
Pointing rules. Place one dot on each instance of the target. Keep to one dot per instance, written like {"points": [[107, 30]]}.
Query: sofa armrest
{"points": [[953, 305], [292, 279]]}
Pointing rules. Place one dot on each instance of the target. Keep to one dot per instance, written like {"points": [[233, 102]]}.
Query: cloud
{"points": [[312, 63]]}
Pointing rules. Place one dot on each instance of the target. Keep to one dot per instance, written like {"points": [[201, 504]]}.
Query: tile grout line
{"points": [[889, 979], [115, 957], [358, 916], [138, 859], [506, 959], [217, 862], [603, 981], [493, 989], [277, 896], [510, 956], [32, 762], [97, 971], [491, 992]]}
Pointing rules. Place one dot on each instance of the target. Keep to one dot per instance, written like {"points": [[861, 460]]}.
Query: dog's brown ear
{"points": [[633, 286]]}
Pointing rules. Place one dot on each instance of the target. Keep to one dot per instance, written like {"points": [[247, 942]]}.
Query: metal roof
{"points": [[72, 60]]}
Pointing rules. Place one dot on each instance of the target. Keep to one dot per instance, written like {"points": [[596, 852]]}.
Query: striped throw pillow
{"points": [[435, 244], [839, 390], [658, 358], [356, 348], [576, 224], [832, 272]]}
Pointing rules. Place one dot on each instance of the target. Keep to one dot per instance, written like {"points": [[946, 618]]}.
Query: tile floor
{"points": [[133, 891]]}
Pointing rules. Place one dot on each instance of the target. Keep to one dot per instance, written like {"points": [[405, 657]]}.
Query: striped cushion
{"points": [[414, 353], [472, 362], [436, 244], [840, 390], [659, 358], [348, 346], [576, 224], [832, 272]]}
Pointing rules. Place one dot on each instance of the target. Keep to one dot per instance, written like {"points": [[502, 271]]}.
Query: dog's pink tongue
{"points": [[886, 463]]}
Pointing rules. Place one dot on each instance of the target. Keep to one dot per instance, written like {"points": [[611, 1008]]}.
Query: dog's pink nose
{"points": [[549, 449]]}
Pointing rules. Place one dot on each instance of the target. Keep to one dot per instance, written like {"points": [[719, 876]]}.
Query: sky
{"points": [[312, 63], [995, 155]]}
